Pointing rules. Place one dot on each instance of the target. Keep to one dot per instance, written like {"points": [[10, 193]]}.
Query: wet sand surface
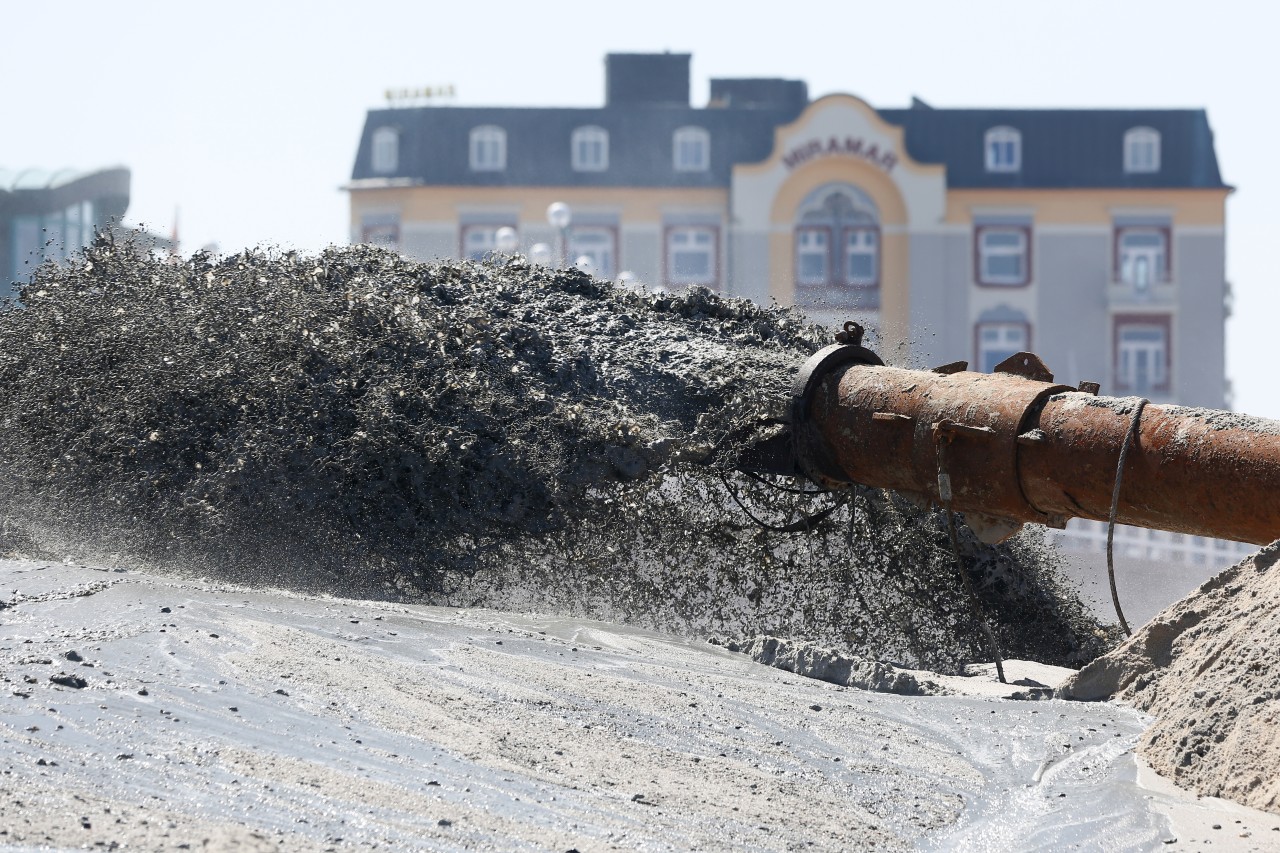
{"points": [[230, 718]]}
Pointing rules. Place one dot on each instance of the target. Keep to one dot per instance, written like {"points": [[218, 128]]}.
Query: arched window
{"points": [[837, 245], [1141, 150], [691, 149], [1003, 147], [589, 149], [385, 156], [488, 149]]}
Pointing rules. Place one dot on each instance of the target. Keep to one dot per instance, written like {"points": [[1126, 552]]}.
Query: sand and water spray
{"points": [[490, 433]]}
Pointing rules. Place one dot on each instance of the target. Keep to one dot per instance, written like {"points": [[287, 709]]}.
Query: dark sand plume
{"points": [[489, 433]]}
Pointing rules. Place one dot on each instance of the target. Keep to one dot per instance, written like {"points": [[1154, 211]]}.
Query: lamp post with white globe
{"points": [[559, 215], [506, 240], [540, 253]]}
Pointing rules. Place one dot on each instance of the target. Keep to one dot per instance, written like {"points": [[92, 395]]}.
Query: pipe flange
{"points": [[812, 457]]}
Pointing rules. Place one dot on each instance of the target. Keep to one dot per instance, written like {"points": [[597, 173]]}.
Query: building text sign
{"points": [[845, 146]]}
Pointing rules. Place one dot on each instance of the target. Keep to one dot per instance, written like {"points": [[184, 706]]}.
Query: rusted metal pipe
{"points": [[1012, 447], [1197, 471]]}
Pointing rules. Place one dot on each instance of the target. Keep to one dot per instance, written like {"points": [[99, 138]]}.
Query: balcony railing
{"points": [[1150, 293], [1090, 537]]}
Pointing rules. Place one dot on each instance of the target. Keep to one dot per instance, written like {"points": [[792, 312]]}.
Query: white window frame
{"points": [[589, 149], [384, 154], [1002, 149], [1128, 258], [488, 148], [998, 340], [683, 239], [1141, 150], [813, 242], [987, 252], [381, 230], [861, 240], [1130, 352], [481, 239], [691, 149], [600, 244]]}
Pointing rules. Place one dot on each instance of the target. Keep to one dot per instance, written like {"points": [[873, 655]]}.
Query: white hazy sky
{"points": [[246, 114]]}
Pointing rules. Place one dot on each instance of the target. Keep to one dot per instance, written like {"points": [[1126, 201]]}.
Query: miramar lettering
{"points": [[848, 146]]}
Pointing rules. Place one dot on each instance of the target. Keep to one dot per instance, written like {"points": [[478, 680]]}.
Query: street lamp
{"points": [[585, 264], [540, 253], [506, 240], [559, 215]]}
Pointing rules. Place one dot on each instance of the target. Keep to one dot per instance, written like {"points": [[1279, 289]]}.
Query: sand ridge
{"points": [[1207, 669]]}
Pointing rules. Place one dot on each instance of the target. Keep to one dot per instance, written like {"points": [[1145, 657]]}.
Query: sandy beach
{"points": [[222, 717]]}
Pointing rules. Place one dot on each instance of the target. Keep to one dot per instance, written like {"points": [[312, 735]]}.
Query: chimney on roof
{"points": [[768, 93], [646, 79]]}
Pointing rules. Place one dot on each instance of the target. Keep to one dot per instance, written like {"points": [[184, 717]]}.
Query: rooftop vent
{"points": [[770, 93]]}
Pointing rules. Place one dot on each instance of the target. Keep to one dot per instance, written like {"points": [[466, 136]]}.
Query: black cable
{"points": [[941, 444], [802, 525], [974, 604], [788, 489], [1129, 437]]}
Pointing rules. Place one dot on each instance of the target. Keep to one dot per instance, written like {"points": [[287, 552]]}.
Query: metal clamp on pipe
{"points": [[811, 453]]}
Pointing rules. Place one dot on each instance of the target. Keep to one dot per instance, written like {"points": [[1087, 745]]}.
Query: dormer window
{"points": [[1141, 150], [1003, 147], [488, 149], [385, 157], [691, 150], [589, 149]]}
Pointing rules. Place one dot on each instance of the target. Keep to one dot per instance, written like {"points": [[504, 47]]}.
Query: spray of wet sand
{"points": [[491, 434]]}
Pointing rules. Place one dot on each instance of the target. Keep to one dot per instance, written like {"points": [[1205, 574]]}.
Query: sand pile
{"points": [[494, 433], [829, 665], [1208, 669]]}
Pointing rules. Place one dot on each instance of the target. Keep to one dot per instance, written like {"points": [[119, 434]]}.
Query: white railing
{"points": [[1090, 537]]}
